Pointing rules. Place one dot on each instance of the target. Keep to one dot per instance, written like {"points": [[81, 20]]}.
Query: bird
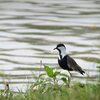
{"points": [[65, 61]]}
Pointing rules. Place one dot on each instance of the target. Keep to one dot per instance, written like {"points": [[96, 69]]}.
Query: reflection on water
{"points": [[29, 30]]}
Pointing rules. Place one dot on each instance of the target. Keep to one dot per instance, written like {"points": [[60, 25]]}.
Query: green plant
{"points": [[98, 67], [53, 74], [47, 87], [50, 80]]}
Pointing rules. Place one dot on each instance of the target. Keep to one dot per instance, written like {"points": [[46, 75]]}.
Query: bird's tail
{"points": [[82, 72]]}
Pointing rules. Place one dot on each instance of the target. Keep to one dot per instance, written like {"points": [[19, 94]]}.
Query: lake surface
{"points": [[30, 29]]}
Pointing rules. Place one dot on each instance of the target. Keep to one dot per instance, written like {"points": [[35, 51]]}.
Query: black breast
{"points": [[63, 63]]}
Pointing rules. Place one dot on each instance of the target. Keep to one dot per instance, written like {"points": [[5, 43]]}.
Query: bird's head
{"points": [[62, 50]]}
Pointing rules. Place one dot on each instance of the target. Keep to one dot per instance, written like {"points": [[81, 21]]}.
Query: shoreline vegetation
{"points": [[54, 85]]}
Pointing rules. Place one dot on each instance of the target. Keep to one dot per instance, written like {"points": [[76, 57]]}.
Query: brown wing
{"points": [[73, 65]]}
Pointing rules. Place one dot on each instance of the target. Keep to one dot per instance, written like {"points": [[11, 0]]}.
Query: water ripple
{"points": [[29, 30]]}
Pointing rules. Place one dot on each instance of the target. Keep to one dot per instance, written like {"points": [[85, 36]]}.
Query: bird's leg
{"points": [[70, 74], [69, 78]]}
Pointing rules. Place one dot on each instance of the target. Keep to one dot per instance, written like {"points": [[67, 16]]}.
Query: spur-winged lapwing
{"points": [[66, 62]]}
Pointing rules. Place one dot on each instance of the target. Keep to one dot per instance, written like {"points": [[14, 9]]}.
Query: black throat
{"points": [[60, 53]]}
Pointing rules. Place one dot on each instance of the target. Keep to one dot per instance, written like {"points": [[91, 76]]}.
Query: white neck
{"points": [[62, 52]]}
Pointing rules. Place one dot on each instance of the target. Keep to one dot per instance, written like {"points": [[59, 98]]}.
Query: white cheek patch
{"points": [[63, 51]]}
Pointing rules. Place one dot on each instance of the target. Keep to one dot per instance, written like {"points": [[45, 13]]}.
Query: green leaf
{"points": [[98, 66], [61, 74], [43, 74], [64, 79], [49, 71], [56, 73]]}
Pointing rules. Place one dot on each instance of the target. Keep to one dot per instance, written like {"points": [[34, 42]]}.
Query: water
{"points": [[30, 29]]}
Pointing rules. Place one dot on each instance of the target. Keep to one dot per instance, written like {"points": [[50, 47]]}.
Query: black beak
{"points": [[55, 48]]}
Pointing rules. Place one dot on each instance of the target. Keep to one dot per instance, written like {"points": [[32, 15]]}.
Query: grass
{"points": [[47, 87], [76, 92]]}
